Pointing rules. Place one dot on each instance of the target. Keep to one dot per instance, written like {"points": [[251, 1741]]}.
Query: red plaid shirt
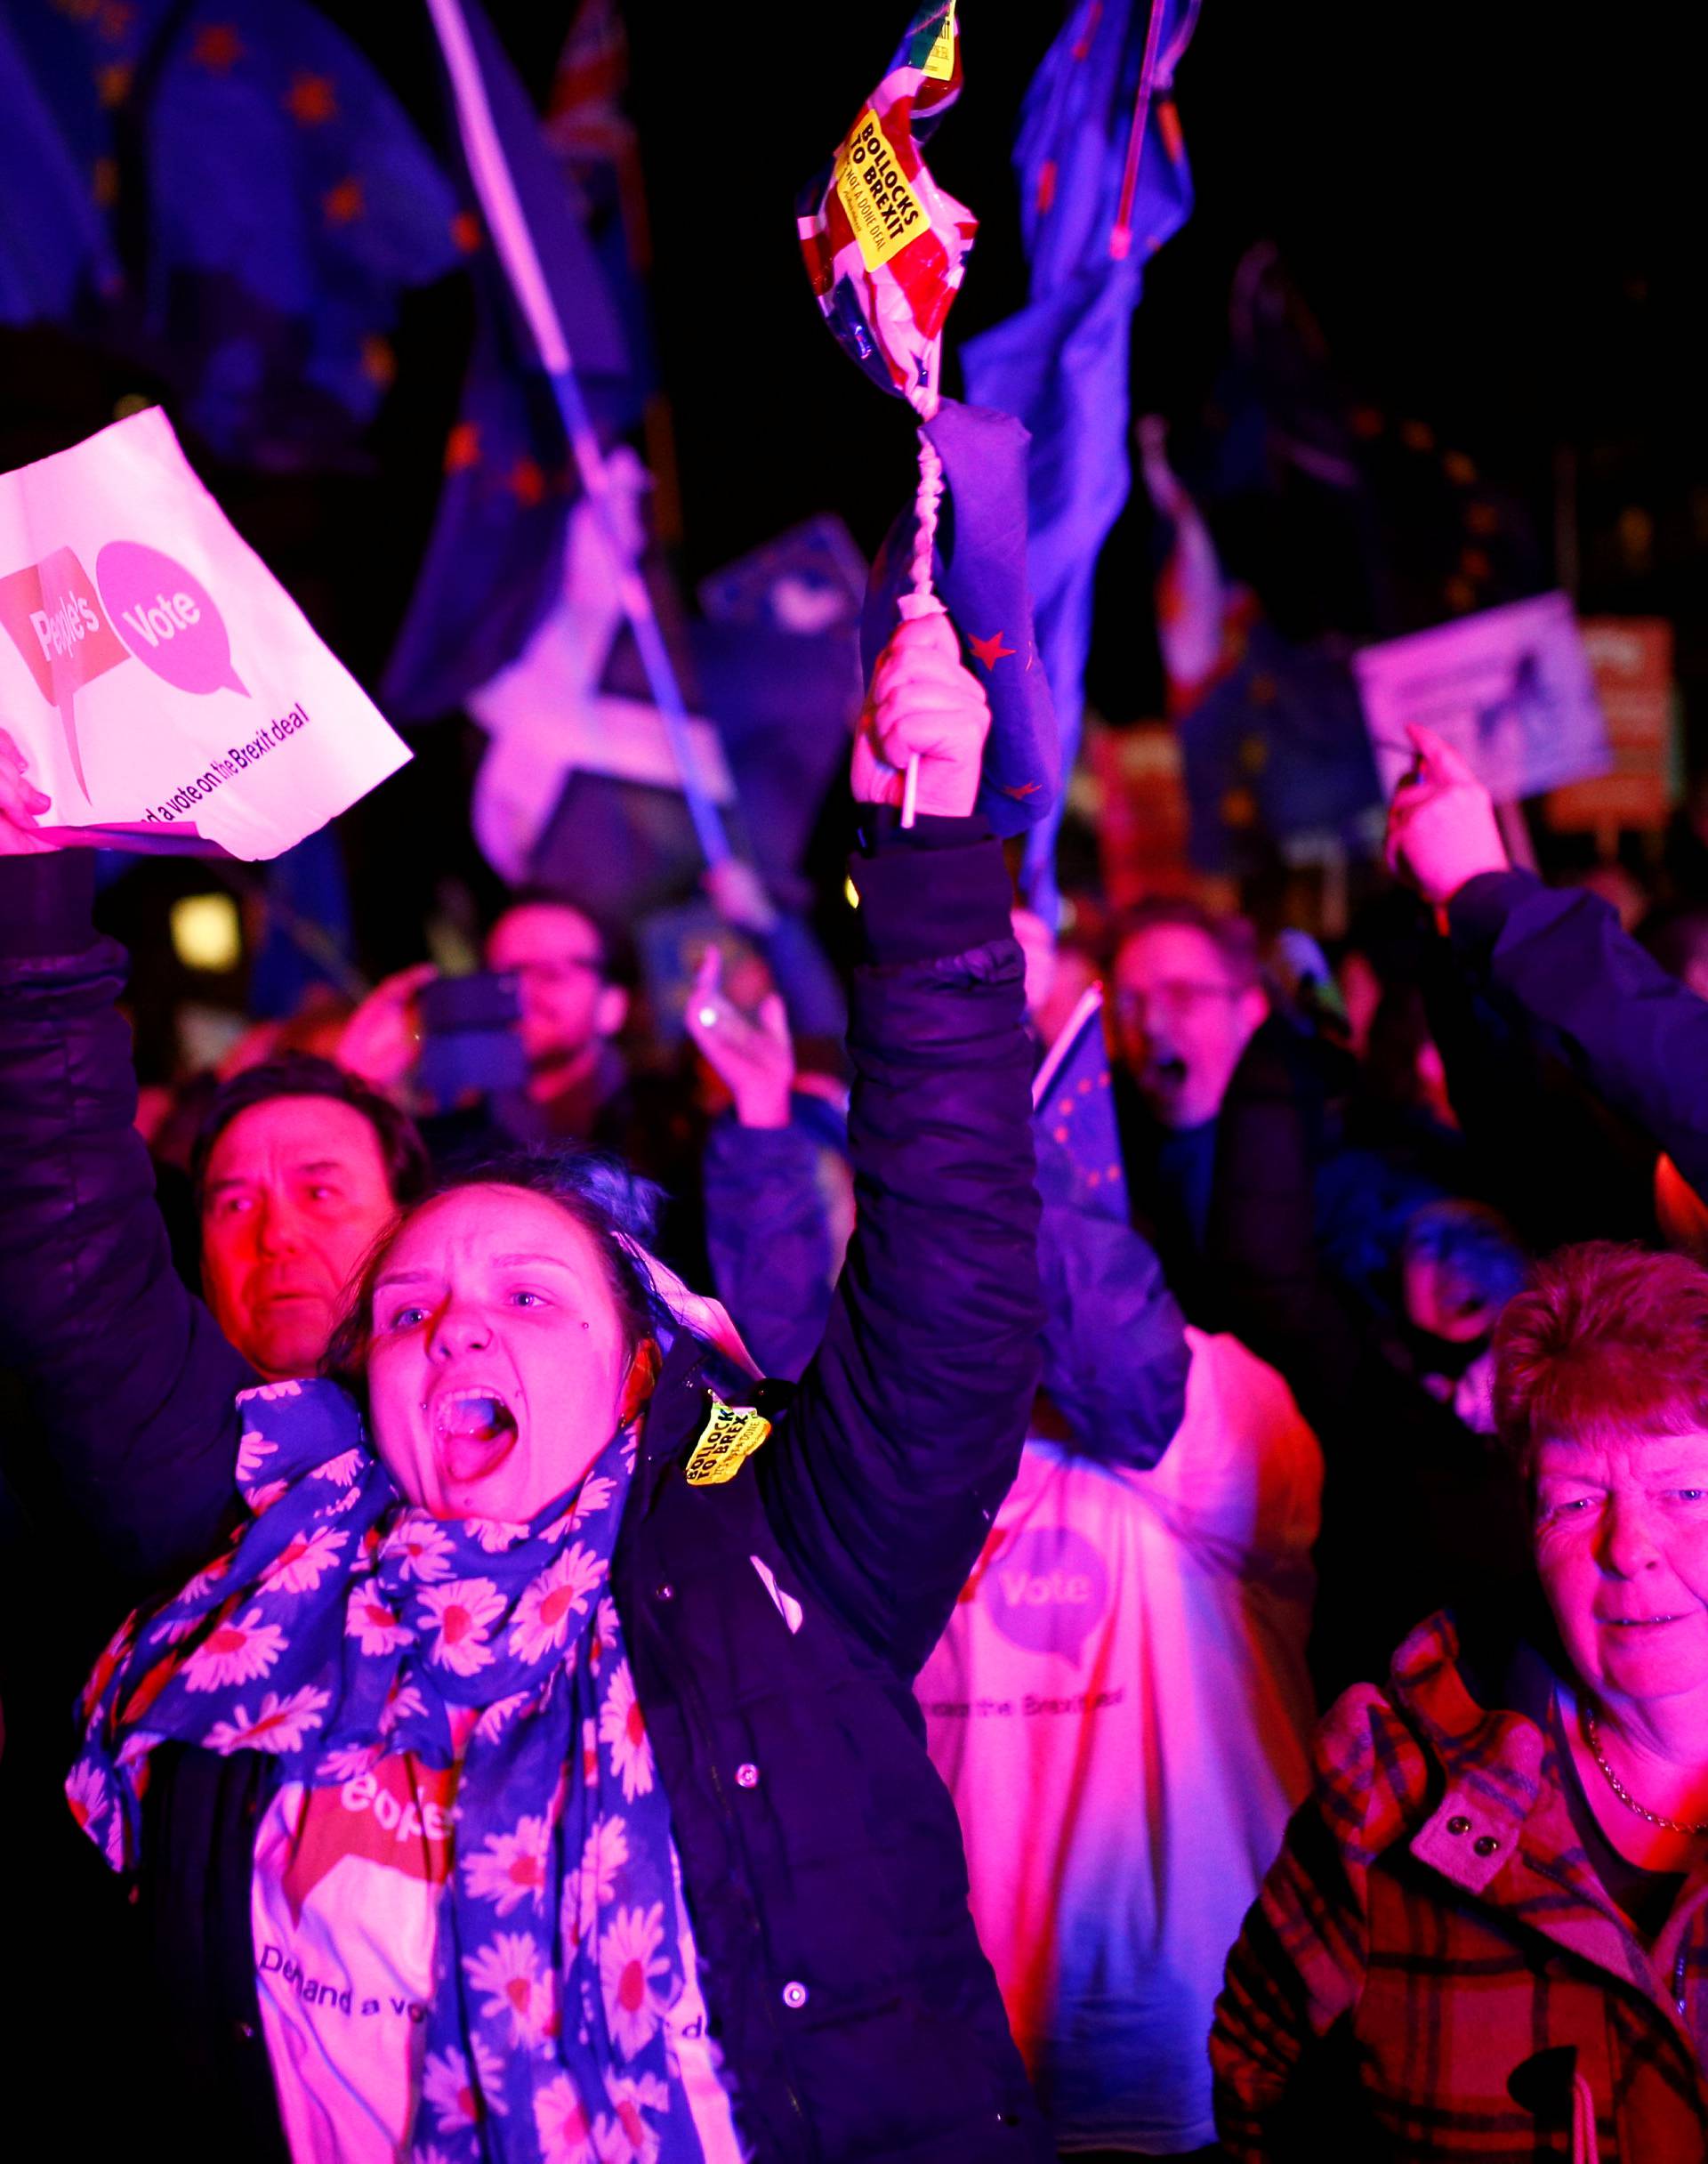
{"points": [[1434, 1938]]}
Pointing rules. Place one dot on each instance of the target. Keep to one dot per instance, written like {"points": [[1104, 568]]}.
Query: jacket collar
{"points": [[694, 1372], [1502, 1830]]}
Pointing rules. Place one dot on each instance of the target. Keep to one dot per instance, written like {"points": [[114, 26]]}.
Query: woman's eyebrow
{"points": [[402, 1277], [556, 1261]]}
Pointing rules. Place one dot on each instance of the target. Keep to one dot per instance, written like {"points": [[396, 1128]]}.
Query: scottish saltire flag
{"points": [[885, 247], [1104, 182], [979, 573], [1072, 1118], [494, 565]]}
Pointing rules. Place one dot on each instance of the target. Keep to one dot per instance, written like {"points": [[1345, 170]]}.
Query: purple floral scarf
{"points": [[342, 1624]]}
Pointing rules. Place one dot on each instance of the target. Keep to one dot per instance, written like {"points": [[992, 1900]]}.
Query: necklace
{"points": [[1619, 1788]]}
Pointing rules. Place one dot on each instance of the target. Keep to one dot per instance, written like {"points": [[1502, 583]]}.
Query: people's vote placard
{"points": [[164, 690]]}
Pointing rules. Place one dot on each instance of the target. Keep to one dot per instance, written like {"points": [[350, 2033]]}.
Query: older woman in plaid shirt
{"points": [[1486, 1935]]}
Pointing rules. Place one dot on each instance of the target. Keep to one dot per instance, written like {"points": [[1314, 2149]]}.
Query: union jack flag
{"points": [[885, 247]]}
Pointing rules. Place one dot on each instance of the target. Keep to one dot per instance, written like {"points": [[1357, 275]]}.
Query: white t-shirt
{"points": [[1120, 1709], [344, 1911]]}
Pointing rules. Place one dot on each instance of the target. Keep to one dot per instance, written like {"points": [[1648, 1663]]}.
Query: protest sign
{"points": [[1140, 815], [163, 687], [1509, 688], [1631, 661]]}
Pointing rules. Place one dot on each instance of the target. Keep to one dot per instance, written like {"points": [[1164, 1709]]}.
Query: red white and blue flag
{"points": [[885, 247]]}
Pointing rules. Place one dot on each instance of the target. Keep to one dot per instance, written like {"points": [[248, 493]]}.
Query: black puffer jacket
{"points": [[856, 2015]]}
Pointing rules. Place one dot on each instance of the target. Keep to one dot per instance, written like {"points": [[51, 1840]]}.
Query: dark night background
{"points": [[1491, 214]]}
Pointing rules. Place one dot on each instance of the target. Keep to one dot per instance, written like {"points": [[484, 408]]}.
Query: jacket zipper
{"points": [[692, 1703]]}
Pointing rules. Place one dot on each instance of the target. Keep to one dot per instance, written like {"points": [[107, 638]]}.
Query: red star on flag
{"points": [[991, 651], [217, 47], [526, 482], [311, 99], [1022, 788], [344, 202], [462, 447]]}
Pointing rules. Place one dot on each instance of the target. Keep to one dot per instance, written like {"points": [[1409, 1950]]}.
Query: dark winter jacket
{"points": [[1557, 959], [856, 2015], [1113, 1343]]}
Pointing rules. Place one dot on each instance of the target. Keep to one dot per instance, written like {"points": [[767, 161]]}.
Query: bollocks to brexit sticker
{"points": [[883, 209], [729, 1437]]}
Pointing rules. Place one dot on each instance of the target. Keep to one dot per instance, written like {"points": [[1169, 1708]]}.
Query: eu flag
{"points": [[979, 573], [1104, 182], [495, 561]]}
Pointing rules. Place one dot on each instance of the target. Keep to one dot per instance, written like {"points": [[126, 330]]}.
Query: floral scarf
{"points": [[343, 1623]]}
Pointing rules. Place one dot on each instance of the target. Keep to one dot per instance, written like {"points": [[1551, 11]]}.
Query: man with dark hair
{"points": [[575, 977], [1187, 1000], [296, 1167]]}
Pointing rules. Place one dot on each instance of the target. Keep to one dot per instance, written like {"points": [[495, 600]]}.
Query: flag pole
{"points": [[514, 242]]}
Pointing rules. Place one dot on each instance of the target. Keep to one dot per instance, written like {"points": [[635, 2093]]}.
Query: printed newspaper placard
{"points": [[164, 689], [1509, 688]]}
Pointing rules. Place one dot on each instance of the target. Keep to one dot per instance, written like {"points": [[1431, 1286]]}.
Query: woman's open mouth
{"points": [[474, 1431]]}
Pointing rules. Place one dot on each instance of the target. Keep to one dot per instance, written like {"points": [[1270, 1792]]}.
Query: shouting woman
{"points": [[534, 1773]]}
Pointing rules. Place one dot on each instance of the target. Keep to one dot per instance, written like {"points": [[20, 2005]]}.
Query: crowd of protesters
{"points": [[719, 1613]]}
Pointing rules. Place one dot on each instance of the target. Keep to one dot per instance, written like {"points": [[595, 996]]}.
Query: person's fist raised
{"points": [[21, 805], [922, 704], [1441, 825]]}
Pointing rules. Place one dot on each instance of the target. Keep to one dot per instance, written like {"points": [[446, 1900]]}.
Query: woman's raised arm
{"points": [[907, 1427]]}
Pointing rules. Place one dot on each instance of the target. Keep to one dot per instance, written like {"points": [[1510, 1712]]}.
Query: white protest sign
{"points": [[164, 689], [1509, 688]]}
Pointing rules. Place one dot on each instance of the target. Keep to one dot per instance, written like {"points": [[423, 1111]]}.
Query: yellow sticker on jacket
{"points": [[883, 209], [732, 1433]]}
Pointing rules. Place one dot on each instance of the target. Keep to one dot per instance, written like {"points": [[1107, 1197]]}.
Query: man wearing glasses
{"points": [[1186, 998]]}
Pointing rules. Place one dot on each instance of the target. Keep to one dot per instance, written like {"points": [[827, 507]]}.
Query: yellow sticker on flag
{"points": [[883, 209], [940, 62], [729, 1437]]}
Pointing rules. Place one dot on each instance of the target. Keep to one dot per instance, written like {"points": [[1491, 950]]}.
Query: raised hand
{"points": [[755, 1060], [381, 1040], [1441, 825], [923, 704], [21, 805]]}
